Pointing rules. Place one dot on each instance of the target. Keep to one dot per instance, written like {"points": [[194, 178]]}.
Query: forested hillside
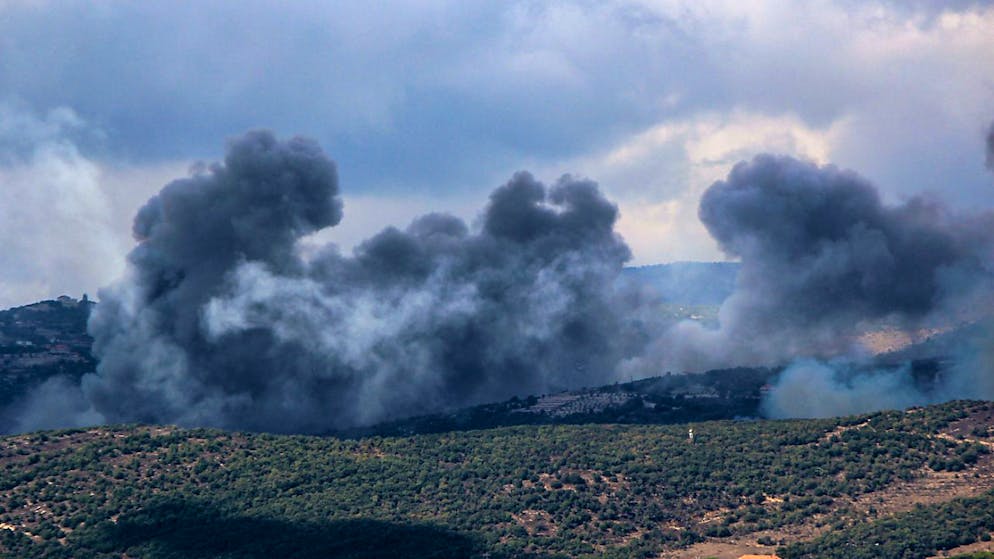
{"points": [[894, 484]]}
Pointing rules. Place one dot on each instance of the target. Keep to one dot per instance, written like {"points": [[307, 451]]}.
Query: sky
{"points": [[429, 105]]}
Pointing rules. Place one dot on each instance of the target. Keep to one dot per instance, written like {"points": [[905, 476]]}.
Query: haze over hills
{"points": [[39, 342], [605, 471], [742, 393]]}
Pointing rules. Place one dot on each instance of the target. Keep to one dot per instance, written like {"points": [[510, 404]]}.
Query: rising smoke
{"points": [[820, 250], [823, 260], [845, 259], [220, 321]]}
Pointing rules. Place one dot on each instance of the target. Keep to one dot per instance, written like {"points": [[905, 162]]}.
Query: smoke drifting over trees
{"points": [[220, 321]]}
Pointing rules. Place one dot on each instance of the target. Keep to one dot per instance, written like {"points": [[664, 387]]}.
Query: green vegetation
{"points": [[524, 491], [672, 398], [918, 533]]}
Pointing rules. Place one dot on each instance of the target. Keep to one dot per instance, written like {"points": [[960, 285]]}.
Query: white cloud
{"points": [[658, 176], [55, 219], [65, 221]]}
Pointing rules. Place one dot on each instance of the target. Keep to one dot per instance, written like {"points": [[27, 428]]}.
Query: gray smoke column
{"points": [[155, 364], [823, 260], [220, 322]]}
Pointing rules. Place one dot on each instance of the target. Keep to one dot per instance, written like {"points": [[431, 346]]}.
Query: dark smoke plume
{"points": [[220, 322], [824, 260], [819, 247]]}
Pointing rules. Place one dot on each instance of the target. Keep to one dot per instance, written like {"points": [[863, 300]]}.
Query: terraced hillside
{"points": [[894, 484]]}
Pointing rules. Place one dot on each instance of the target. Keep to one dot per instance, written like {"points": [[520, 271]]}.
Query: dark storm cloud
{"points": [[432, 94], [219, 322]]}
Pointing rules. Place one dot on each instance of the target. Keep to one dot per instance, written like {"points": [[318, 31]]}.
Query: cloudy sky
{"points": [[429, 105]]}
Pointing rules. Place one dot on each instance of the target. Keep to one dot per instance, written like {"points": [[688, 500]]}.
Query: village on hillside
{"points": [[42, 340]]}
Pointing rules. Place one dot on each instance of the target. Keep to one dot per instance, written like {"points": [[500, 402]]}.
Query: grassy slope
{"points": [[542, 491]]}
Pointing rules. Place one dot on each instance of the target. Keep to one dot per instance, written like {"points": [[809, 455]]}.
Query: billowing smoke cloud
{"points": [[221, 322], [818, 247], [815, 388], [57, 403], [823, 260]]}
